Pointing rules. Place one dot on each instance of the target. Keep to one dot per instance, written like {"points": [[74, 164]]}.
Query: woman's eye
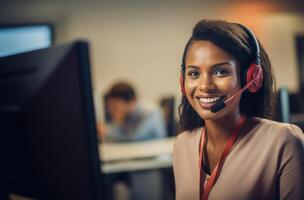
{"points": [[221, 72], [193, 74]]}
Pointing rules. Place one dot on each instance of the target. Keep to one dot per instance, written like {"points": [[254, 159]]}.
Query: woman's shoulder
{"points": [[187, 138], [189, 135], [284, 131]]}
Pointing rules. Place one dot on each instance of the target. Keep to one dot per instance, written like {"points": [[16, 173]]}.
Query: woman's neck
{"points": [[218, 131]]}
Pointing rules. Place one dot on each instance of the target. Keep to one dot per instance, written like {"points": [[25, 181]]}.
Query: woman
{"points": [[229, 149]]}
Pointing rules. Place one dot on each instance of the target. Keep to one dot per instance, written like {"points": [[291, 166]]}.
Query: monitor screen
{"points": [[48, 141], [21, 38]]}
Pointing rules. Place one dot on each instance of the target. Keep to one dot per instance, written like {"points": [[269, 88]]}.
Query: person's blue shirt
{"points": [[142, 124]]}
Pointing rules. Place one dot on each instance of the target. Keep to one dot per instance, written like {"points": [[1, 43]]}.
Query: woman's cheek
{"points": [[228, 84], [190, 86]]}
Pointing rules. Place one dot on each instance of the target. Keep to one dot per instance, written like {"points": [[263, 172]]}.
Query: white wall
{"points": [[280, 44], [142, 41]]}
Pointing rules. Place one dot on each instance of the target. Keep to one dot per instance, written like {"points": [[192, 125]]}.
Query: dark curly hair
{"points": [[233, 39]]}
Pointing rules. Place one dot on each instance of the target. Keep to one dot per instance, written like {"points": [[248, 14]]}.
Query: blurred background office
{"points": [[142, 41]]}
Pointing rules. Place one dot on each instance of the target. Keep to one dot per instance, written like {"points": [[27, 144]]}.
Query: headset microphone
{"points": [[257, 79]]}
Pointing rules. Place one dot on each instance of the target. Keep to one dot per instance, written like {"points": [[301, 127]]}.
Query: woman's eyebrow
{"points": [[222, 63], [192, 66], [214, 65]]}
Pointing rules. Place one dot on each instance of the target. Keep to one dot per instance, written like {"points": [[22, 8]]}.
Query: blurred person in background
{"points": [[128, 119]]}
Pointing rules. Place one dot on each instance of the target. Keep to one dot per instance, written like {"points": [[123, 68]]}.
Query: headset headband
{"points": [[257, 55], [252, 38]]}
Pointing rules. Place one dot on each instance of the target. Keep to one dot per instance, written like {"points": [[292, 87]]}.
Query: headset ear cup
{"points": [[181, 82], [255, 72]]}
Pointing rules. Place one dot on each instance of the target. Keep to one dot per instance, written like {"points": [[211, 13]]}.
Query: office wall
{"points": [[142, 41]]}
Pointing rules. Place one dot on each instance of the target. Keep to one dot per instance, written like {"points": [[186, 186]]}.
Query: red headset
{"points": [[254, 75]]}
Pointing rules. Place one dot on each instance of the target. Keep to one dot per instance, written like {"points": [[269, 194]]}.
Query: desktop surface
{"points": [[135, 156]]}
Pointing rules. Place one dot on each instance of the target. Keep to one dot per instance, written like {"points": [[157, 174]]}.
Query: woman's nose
{"points": [[206, 82]]}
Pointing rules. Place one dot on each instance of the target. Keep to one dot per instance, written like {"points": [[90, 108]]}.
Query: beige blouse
{"points": [[265, 163]]}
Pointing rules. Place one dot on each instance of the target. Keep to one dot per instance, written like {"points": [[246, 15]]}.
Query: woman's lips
{"points": [[207, 102]]}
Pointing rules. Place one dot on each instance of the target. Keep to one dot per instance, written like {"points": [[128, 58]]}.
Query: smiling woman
{"points": [[212, 75], [229, 148]]}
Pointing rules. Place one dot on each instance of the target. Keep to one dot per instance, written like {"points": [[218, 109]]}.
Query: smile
{"points": [[210, 100], [207, 102]]}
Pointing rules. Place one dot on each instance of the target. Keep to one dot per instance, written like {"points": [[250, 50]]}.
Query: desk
{"points": [[135, 156]]}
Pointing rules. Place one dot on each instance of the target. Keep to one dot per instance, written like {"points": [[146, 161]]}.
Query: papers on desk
{"points": [[121, 157]]}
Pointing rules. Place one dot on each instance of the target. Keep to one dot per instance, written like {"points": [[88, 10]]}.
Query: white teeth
{"points": [[209, 100]]}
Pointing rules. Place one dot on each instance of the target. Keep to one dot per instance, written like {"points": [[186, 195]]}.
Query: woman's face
{"points": [[212, 75]]}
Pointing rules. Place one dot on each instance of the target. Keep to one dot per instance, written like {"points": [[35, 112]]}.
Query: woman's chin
{"points": [[206, 114]]}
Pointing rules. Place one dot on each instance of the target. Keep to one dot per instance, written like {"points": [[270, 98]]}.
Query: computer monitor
{"points": [[18, 38], [48, 141]]}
